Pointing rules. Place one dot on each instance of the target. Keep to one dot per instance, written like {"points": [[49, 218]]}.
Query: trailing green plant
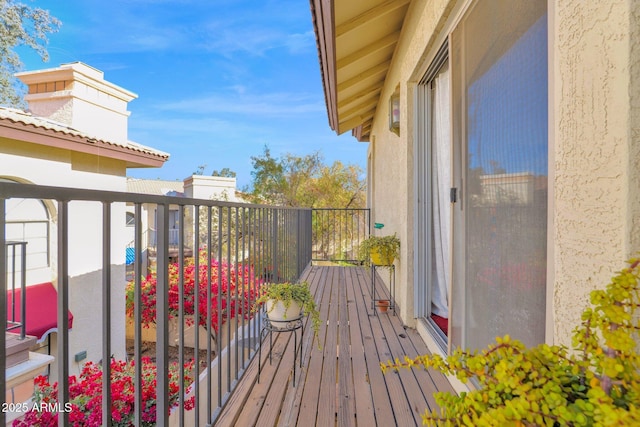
{"points": [[287, 292], [387, 246], [597, 383]]}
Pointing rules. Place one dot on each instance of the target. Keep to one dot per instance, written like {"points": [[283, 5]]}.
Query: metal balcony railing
{"points": [[16, 253], [240, 246], [337, 233]]}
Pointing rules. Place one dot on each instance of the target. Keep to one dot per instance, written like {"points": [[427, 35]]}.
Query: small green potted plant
{"points": [[382, 250], [288, 301]]}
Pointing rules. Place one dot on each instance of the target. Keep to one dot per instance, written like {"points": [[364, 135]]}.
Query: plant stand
{"points": [[392, 287], [290, 325]]}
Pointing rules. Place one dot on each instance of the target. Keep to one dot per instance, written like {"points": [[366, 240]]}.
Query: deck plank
{"points": [[311, 393], [283, 377], [342, 384], [291, 404], [327, 413], [364, 414], [383, 409], [254, 404], [345, 389], [409, 391]]}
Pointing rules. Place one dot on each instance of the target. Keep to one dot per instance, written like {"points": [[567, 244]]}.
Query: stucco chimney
{"points": [[78, 95], [208, 187]]}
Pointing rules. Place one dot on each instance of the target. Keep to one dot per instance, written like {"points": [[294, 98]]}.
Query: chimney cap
{"points": [[76, 71]]}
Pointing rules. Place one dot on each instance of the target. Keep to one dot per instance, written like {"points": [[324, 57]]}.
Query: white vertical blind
{"points": [[441, 184]]}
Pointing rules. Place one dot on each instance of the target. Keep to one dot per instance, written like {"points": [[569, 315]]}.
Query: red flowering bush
{"points": [[226, 279], [520, 276], [85, 395]]}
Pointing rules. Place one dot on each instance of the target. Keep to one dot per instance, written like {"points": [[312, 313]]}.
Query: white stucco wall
{"points": [[210, 187], [29, 163]]}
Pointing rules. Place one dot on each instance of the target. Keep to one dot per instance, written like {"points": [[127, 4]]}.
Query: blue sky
{"points": [[216, 79]]}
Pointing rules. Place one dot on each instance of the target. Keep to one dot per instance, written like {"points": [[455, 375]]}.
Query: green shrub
{"points": [[597, 383], [387, 246]]}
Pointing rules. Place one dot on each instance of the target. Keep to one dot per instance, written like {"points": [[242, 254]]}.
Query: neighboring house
{"points": [[195, 186], [74, 135], [504, 150]]}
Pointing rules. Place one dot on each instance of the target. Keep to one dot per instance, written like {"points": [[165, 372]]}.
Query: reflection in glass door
{"points": [[499, 72]]}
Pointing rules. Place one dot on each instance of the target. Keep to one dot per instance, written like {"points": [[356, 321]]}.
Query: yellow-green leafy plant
{"points": [[597, 383], [388, 248], [287, 292]]}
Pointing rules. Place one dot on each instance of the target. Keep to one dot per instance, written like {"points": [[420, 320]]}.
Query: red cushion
{"points": [[42, 309], [442, 322]]}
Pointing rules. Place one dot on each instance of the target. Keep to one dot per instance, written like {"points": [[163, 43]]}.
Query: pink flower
{"points": [[85, 394], [235, 282]]}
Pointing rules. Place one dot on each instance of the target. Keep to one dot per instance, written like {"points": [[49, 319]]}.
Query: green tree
{"points": [[20, 25], [268, 179], [310, 183], [224, 172], [305, 182]]}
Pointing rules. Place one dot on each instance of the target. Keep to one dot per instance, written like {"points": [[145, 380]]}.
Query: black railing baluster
{"points": [[209, 310], [219, 302], [63, 308], [196, 310], [162, 313], [3, 309], [181, 323], [137, 310], [336, 234], [263, 244], [106, 314]]}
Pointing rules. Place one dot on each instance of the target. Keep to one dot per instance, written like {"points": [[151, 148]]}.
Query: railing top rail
{"points": [[10, 189]]}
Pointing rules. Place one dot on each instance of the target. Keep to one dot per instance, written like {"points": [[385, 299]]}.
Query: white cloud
{"points": [[281, 104], [220, 27]]}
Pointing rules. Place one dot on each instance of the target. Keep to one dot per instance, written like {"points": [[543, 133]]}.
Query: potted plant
{"points": [[288, 301], [383, 305], [382, 250]]}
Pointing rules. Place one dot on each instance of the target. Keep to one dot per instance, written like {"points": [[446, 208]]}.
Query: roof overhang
{"points": [[54, 135], [356, 41]]}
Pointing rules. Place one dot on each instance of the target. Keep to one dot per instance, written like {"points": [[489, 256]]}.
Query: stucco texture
{"points": [[594, 146], [393, 166], [594, 151], [35, 164]]}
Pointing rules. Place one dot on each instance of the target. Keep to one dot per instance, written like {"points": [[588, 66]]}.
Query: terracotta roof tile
{"points": [[18, 116]]}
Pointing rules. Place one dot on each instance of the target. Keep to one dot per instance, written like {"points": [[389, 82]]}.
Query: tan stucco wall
{"points": [[594, 92], [393, 190], [595, 87]]}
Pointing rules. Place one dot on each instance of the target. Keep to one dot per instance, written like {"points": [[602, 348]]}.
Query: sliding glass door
{"points": [[499, 72], [481, 178], [433, 155]]}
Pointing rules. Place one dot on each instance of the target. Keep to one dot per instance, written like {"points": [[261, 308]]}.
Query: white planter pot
{"points": [[277, 313]]}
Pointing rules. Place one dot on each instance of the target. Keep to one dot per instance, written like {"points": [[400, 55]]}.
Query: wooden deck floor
{"points": [[342, 384]]}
